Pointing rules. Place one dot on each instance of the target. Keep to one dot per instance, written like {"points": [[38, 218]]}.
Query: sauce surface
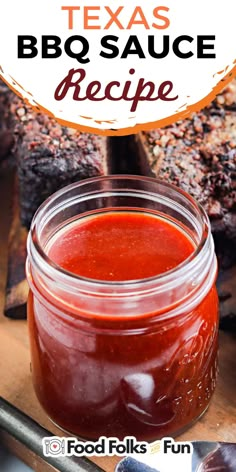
{"points": [[120, 246]]}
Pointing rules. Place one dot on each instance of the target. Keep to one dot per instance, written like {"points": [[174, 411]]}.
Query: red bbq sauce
{"points": [[120, 246], [109, 380]]}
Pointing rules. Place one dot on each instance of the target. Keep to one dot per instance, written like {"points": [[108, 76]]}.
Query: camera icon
{"points": [[53, 446]]}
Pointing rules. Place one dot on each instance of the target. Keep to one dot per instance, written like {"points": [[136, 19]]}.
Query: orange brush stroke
{"points": [[138, 127]]}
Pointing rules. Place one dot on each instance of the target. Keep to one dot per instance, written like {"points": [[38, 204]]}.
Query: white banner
{"points": [[117, 67]]}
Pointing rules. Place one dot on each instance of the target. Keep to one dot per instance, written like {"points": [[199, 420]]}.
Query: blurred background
{"points": [[9, 463]]}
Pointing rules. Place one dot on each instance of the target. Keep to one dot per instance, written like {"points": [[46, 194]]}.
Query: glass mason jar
{"points": [[123, 358]]}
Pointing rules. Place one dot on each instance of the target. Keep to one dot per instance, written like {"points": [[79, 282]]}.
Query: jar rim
{"points": [[92, 284]]}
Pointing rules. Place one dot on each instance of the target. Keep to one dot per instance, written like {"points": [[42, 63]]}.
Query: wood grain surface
{"points": [[219, 423]]}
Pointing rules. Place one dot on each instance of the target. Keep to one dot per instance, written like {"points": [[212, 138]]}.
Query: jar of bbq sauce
{"points": [[123, 309]]}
